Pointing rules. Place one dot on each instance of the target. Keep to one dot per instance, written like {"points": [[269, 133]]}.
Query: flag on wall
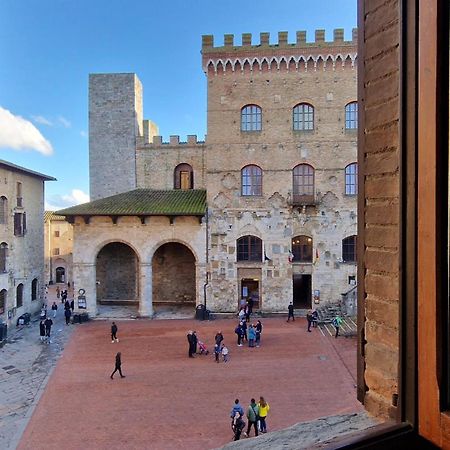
{"points": [[317, 256], [291, 256]]}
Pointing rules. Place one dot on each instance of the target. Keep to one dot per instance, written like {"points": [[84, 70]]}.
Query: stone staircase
{"points": [[328, 312]]}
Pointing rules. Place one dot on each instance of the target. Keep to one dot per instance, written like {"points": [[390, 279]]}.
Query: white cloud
{"points": [[64, 122], [83, 134], [57, 201], [20, 134], [42, 120]]}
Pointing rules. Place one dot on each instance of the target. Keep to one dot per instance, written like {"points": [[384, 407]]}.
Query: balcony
{"points": [[302, 199]]}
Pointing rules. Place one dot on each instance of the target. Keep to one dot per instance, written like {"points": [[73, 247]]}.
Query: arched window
{"points": [[3, 294], [3, 209], [251, 118], [183, 177], [303, 184], [19, 295], [303, 117], [3, 256], [351, 179], [351, 116], [249, 248], [251, 180], [349, 249], [302, 249], [34, 286]]}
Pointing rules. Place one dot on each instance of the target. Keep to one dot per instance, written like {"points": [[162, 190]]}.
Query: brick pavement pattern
{"points": [[169, 401]]}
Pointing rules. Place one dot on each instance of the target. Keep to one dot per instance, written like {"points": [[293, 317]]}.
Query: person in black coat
{"points": [[118, 366], [194, 342], [290, 312], [190, 338], [67, 314], [114, 329], [48, 328], [42, 330], [218, 338]]}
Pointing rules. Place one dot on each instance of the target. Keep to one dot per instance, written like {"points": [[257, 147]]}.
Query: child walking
{"points": [[225, 353]]}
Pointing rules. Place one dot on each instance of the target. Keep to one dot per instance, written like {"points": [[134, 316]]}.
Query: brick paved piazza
{"points": [[169, 401]]}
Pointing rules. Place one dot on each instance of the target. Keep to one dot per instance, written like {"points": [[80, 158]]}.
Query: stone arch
{"points": [[117, 274], [264, 65], [60, 274], [220, 68], [174, 275], [292, 66], [283, 64]]}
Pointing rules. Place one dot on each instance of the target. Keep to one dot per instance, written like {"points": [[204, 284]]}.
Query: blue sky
{"points": [[48, 48]]}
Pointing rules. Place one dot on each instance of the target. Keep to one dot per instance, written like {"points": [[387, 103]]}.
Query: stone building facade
{"points": [[58, 246], [278, 169], [21, 241]]}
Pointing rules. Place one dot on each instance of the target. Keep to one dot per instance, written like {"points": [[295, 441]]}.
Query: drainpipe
{"points": [[207, 262]]}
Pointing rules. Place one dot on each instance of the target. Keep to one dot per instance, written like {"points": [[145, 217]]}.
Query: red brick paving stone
{"points": [[169, 401]]}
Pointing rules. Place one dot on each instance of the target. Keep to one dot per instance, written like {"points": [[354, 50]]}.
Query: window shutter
{"points": [[24, 223]]}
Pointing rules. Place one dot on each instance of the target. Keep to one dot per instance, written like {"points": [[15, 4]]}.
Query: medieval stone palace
{"points": [[264, 208]]}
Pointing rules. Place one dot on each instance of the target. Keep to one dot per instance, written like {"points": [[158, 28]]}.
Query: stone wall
{"points": [[117, 269], [173, 274], [115, 119], [25, 255], [380, 160], [156, 161], [144, 239], [277, 149]]}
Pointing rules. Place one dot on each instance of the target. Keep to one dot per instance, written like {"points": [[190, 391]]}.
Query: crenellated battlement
{"points": [[174, 141], [298, 56]]}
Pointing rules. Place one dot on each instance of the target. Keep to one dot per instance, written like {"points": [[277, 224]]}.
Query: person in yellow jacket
{"points": [[263, 410]]}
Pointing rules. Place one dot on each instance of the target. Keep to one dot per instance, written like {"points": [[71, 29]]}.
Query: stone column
{"points": [[200, 276], [145, 290], [84, 277]]}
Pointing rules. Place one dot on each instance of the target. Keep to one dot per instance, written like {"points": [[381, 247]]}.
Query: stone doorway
{"points": [[174, 280], [301, 291], [117, 269], [60, 275]]}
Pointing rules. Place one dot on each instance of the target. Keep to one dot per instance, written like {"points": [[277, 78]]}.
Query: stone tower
{"points": [[115, 121]]}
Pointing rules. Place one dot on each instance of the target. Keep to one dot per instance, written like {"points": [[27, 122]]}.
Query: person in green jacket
{"points": [[253, 417], [337, 321]]}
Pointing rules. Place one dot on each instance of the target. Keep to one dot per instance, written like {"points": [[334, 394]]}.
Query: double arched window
{"points": [[351, 116], [3, 256], [251, 180], [351, 179], [183, 177], [302, 249], [349, 249], [19, 295], [249, 248], [303, 117], [251, 118], [303, 183]]}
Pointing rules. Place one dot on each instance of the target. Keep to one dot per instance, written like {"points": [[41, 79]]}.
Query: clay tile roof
{"points": [[50, 215], [144, 202]]}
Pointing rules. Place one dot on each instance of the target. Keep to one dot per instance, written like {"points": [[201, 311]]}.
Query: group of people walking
{"points": [[256, 416]]}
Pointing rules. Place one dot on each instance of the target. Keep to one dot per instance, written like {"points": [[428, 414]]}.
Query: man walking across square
{"points": [[290, 312]]}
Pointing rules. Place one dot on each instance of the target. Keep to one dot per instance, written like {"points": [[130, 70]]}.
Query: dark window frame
{"points": [[349, 245], [3, 256], [3, 298], [19, 295], [34, 289], [302, 249], [3, 210], [303, 181], [249, 248]]}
